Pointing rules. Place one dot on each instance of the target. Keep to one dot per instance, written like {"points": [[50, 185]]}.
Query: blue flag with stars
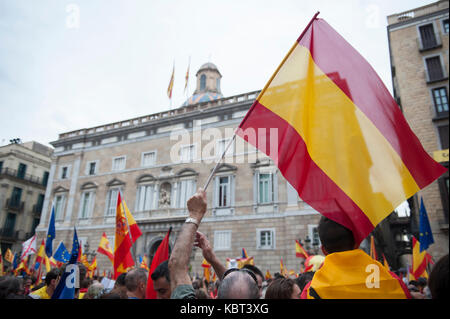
{"points": [[425, 234], [70, 279], [62, 254], [50, 234]]}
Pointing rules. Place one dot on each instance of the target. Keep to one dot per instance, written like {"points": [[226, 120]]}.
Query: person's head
{"points": [[10, 286], [438, 280], [52, 278], [283, 288], [303, 279], [161, 281], [238, 284], [334, 237], [95, 290], [259, 276], [136, 282]]}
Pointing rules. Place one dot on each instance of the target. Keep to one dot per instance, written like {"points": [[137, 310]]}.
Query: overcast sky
{"points": [[68, 65]]}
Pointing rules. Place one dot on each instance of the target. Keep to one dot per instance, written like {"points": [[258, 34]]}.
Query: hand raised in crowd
{"points": [[197, 205], [203, 243]]}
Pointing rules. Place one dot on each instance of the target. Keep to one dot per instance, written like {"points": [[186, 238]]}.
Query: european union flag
{"points": [[50, 235], [425, 234], [61, 253], [70, 279]]}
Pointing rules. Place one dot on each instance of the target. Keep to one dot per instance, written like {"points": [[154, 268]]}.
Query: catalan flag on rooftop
{"points": [[336, 133]]}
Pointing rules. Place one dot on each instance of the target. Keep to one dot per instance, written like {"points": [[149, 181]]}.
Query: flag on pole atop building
{"points": [[28, 247], [70, 279], [104, 248], [300, 251], [425, 233], [50, 234], [170, 87], [335, 132], [161, 254], [187, 76]]}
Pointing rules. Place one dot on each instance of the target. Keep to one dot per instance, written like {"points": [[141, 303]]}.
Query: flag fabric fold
{"points": [[50, 234], [170, 87], [122, 255], [425, 233], [28, 247], [337, 135], [300, 252], [161, 254], [104, 248], [61, 253]]}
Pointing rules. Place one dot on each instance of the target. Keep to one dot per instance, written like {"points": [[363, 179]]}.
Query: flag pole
{"points": [[220, 160]]}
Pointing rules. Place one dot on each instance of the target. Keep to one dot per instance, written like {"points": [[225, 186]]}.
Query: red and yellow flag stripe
{"points": [[336, 133]]}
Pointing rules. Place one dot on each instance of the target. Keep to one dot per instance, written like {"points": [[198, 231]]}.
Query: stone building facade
{"points": [[418, 44], [24, 172], [157, 162]]}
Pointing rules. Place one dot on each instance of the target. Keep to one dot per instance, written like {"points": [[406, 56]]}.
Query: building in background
{"points": [[418, 44], [24, 173], [157, 162]]}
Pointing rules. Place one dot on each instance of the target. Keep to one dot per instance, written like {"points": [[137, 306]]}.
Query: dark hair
{"points": [[438, 280], [161, 271], [9, 286], [335, 237], [111, 295], [120, 281], [303, 279], [134, 277], [280, 288], [255, 270], [200, 294], [52, 274]]}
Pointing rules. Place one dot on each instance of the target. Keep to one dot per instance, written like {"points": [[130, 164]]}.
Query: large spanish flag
{"points": [[333, 129], [122, 255]]}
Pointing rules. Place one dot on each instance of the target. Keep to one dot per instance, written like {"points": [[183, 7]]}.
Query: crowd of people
{"points": [[343, 274]]}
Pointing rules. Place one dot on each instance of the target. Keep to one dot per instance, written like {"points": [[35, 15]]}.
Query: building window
{"points": [[10, 224], [265, 188], [440, 100], [202, 82], [111, 201], [445, 26], [91, 168], [222, 240], [443, 136], [45, 179], [313, 233], [118, 163], [222, 144], [146, 198], [265, 238], [218, 85], [21, 170], [86, 204], [185, 190], [427, 37], [59, 206], [64, 172], [148, 159], [435, 71], [16, 197], [187, 153], [223, 191]]}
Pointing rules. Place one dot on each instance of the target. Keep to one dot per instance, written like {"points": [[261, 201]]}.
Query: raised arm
{"points": [[203, 243], [179, 259]]}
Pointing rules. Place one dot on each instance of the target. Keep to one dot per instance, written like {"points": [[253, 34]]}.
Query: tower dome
{"points": [[208, 85]]}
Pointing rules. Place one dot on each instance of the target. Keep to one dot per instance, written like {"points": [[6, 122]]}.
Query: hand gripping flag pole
{"points": [[249, 111]]}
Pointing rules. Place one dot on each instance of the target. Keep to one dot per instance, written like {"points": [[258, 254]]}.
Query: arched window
{"points": [[202, 82]]}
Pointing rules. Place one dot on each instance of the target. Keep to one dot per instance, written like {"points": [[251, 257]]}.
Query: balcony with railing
{"points": [[14, 205], [15, 174]]}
